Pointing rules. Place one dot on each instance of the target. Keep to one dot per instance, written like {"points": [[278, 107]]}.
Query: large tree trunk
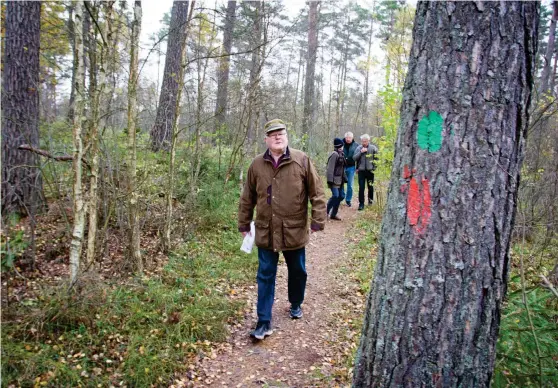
{"points": [[79, 102], [433, 311], [224, 66], [22, 184], [546, 71], [309, 115], [161, 133], [133, 218]]}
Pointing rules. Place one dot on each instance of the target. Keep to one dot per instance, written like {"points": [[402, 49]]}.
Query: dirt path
{"points": [[300, 353]]}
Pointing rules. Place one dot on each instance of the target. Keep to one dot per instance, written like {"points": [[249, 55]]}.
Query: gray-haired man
{"points": [[364, 156]]}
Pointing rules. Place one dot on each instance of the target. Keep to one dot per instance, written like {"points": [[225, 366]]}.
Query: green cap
{"points": [[274, 125]]}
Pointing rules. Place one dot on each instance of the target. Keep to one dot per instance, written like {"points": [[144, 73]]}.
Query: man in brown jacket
{"points": [[279, 184]]}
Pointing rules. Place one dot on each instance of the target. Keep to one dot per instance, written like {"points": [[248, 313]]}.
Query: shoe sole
{"points": [[296, 316], [259, 337]]}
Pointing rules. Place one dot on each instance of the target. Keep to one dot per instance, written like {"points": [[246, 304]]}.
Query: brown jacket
{"points": [[281, 197]]}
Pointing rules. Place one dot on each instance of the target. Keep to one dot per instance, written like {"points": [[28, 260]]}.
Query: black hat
{"points": [[337, 142]]}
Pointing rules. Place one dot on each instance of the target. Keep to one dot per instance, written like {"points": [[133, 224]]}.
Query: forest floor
{"points": [[314, 351]]}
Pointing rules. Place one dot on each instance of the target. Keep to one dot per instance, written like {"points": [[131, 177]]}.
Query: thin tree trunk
{"points": [[169, 100], [368, 65], [545, 77], [133, 216], [79, 203], [297, 86], [309, 115], [202, 71], [71, 34], [433, 312], [22, 185], [97, 85], [255, 73], [553, 78], [224, 66]]}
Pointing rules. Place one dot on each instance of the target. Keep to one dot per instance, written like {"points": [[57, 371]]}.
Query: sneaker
{"points": [[370, 202], [360, 207], [348, 204], [263, 329], [296, 312], [336, 218]]}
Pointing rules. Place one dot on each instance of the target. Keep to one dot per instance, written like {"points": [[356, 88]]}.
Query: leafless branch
{"points": [[46, 154]]}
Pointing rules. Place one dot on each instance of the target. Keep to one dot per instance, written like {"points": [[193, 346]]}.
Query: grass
{"points": [[144, 332]]}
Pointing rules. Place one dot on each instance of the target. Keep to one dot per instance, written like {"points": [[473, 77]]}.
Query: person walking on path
{"points": [[279, 184], [335, 178], [365, 155], [349, 148]]}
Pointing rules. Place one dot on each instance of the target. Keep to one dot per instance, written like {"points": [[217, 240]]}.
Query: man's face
{"points": [[348, 139], [277, 141], [365, 142]]}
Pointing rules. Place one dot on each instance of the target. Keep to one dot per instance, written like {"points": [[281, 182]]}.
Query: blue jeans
{"points": [[267, 271], [350, 171], [337, 195]]}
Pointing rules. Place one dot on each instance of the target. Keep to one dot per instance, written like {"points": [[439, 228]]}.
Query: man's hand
{"points": [[244, 234], [364, 149]]}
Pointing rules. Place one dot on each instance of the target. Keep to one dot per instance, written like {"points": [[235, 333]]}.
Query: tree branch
{"points": [[46, 154]]}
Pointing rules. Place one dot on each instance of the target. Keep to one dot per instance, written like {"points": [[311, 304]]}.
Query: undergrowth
{"points": [[143, 331]]}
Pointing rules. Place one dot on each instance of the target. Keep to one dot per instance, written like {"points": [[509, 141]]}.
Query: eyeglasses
{"points": [[277, 135]]}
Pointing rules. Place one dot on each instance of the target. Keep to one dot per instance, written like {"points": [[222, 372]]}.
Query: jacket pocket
{"points": [[295, 233], [262, 233]]}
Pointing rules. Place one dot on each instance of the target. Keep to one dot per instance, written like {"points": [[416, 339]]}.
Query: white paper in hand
{"points": [[248, 241]]}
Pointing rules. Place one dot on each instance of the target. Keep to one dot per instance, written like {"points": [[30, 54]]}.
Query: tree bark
{"points": [[71, 32], [167, 111], [433, 312], [98, 54], [22, 184], [133, 217], [368, 65], [309, 115], [224, 66], [256, 8], [546, 71], [79, 203]]}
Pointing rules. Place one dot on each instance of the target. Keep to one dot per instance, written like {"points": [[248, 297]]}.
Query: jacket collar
{"points": [[282, 158]]}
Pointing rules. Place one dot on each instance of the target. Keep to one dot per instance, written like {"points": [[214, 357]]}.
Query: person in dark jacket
{"points": [[335, 178], [365, 157], [279, 184], [349, 148]]}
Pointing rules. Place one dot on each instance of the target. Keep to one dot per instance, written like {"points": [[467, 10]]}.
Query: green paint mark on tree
{"points": [[429, 135]]}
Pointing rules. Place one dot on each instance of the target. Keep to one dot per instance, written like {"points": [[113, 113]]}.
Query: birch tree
{"points": [[433, 312], [78, 117], [133, 216], [550, 48]]}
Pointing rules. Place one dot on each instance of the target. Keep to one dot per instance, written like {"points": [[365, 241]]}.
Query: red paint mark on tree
{"points": [[419, 205], [406, 172], [426, 208], [413, 202]]}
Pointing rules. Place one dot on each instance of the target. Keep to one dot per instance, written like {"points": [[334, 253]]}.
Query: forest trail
{"points": [[300, 353]]}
